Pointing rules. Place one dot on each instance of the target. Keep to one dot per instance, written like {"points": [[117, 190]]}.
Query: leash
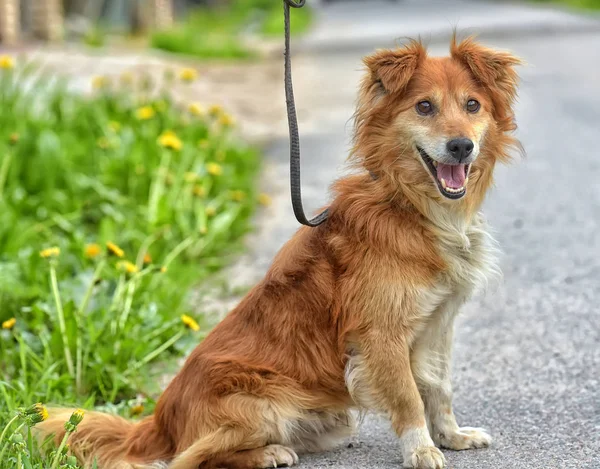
{"points": [[295, 184]]}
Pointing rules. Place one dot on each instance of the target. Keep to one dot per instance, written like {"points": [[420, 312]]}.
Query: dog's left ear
{"points": [[494, 70]]}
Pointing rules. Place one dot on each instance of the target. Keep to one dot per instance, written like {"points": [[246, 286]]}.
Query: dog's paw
{"points": [[426, 457], [464, 438], [278, 456]]}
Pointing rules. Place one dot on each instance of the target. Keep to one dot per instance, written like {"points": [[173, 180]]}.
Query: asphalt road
{"points": [[527, 354]]}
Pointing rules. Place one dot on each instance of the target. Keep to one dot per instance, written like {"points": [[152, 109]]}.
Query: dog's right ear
{"points": [[393, 68]]}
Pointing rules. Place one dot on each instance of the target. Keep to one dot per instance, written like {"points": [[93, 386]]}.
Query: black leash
{"points": [[295, 184]]}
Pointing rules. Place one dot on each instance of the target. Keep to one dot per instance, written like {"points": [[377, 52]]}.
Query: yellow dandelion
{"points": [[188, 75], [126, 78], [144, 113], [203, 230], [203, 143], [190, 322], [147, 259], [214, 169], [9, 323], [136, 410], [264, 199], [128, 267], [6, 62], [215, 110], [50, 252], [92, 250], [114, 249], [75, 419], [99, 82], [169, 140], [114, 126], [226, 120], [13, 139], [196, 109], [163, 269], [210, 211], [37, 413], [238, 195], [199, 191]]}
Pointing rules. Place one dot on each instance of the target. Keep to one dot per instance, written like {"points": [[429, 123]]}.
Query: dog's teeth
{"points": [[443, 181], [466, 181]]}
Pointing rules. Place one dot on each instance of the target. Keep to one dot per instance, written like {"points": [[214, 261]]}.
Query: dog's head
{"points": [[435, 125]]}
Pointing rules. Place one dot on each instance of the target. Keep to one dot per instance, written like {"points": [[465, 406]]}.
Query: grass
{"points": [[217, 33], [112, 207], [585, 4]]}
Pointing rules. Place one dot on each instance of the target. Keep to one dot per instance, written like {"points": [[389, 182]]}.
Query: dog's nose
{"points": [[460, 148]]}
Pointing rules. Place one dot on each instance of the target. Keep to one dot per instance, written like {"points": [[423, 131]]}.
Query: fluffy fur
{"points": [[357, 313]]}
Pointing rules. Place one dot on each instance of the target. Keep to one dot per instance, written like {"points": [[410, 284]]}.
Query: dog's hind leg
{"points": [[258, 458]]}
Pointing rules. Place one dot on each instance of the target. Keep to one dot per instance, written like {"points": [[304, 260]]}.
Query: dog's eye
{"points": [[473, 105], [424, 108]]}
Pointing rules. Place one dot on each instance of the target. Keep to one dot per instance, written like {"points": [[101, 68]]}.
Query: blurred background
{"points": [[144, 189]]}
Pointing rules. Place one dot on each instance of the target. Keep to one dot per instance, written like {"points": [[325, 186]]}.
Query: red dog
{"points": [[359, 312]]}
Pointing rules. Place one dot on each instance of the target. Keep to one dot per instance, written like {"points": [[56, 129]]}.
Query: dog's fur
{"points": [[357, 313]]}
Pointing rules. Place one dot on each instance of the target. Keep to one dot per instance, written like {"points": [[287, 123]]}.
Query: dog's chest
{"points": [[471, 261]]}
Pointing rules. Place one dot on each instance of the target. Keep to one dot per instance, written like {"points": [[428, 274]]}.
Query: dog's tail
{"points": [[109, 441]]}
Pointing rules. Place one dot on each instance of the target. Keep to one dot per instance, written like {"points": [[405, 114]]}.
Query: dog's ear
{"points": [[393, 68], [494, 70]]}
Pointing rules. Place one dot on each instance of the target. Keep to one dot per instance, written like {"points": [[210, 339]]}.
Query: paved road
{"points": [[527, 356]]}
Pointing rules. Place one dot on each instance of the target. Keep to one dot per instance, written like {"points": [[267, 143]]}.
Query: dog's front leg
{"points": [[385, 365], [431, 362]]}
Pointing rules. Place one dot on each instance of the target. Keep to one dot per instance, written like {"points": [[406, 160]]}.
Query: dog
{"points": [[358, 313]]}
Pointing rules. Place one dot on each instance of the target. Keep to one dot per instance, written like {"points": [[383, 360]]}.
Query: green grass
{"points": [[585, 4], [173, 188], [217, 33]]}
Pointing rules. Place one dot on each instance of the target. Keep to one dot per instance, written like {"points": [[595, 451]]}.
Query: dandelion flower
{"points": [[199, 191], [210, 211], [196, 109], [37, 413], [114, 249], [264, 199], [6, 62], [188, 75], [238, 195], [169, 140], [50, 252], [163, 269], [92, 250], [74, 420], [9, 324], [147, 259], [215, 110], [13, 139], [190, 322], [99, 82], [126, 266], [226, 120], [144, 113], [136, 410], [214, 169]]}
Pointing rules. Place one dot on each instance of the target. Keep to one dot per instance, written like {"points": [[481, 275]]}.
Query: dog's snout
{"points": [[460, 148]]}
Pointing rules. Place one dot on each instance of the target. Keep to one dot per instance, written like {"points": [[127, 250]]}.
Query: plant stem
{"points": [[80, 313], [157, 352], [158, 186], [61, 320], [59, 450], [4, 172], [13, 420]]}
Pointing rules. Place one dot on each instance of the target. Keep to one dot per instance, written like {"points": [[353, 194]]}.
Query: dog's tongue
{"points": [[454, 175]]}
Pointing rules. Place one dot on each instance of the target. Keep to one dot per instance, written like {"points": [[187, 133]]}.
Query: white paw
{"points": [[279, 456], [464, 438], [427, 457]]}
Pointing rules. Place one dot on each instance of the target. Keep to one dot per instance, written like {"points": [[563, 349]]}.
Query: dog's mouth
{"points": [[451, 179]]}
